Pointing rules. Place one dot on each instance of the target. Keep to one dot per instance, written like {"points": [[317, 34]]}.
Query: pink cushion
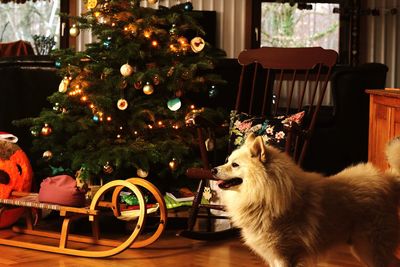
{"points": [[61, 190]]}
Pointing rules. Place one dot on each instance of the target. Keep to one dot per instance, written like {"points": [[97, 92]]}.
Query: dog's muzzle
{"points": [[225, 184]]}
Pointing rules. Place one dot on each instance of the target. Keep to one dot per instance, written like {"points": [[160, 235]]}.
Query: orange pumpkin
{"points": [[15, 175]]}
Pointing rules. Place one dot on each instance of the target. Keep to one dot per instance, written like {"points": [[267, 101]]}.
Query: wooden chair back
{"points": [[282, 81]]}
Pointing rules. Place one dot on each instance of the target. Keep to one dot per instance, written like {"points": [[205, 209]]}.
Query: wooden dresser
{"points": [[384, 123]]}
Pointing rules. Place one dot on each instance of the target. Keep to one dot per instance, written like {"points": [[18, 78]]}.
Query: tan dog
{"points": [[289, 216]]}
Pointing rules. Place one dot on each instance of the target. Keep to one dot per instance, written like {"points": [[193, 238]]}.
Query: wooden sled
{"points": [[96, 208]]}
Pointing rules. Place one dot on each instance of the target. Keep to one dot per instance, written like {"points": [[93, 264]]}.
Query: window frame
{"points": [[348, 29]]}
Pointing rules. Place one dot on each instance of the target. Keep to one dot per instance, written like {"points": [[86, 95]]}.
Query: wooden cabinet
{"points": [[384, 123]]}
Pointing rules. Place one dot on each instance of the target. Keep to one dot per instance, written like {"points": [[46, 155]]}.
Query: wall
{"points": [[380, 37]]}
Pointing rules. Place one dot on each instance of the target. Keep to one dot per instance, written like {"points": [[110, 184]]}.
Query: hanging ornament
{"points": [[138, 85], [152, 2], [57, 63], [123, 84], [197, 44], [74, 31], [62, 88], [57, 107], [207, 193], [126, 70], [106, 72], [170, 71], [46, 130], [190, 117], [107, 43], [213, 92], [186, 75], [156, 79], [131, 28], [173, 164], [96, 118], [184, 44], [107, 168], [142, 173], [47, 155], [174, 104], [91, 4], [35, 132], [173, 30], [179, 93], [188, 6], [148, 89], [122, 104]]}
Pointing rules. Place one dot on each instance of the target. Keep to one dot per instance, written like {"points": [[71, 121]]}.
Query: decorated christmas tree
{"points": [[120, 108]]}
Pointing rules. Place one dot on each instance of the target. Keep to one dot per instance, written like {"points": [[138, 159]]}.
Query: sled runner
{"points": [[96, 208]]}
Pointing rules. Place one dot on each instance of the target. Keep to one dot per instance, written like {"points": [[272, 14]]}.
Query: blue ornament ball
{"points": [[107, 43], [57, 63], [188, 6]]}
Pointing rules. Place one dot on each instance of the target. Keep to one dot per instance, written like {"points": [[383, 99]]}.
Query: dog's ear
{"points": [[250, 139], [258, 149]]}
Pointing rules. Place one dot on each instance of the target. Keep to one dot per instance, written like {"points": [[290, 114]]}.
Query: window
{"points": [[37, 22], [330, 24]]}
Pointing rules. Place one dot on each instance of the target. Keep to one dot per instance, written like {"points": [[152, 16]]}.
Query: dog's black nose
{"points": [[214, 171]]}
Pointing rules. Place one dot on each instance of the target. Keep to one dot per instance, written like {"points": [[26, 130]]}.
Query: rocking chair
{"points": [[273, 82]]}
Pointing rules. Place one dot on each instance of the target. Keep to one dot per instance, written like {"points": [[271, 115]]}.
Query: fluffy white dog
{"points": [[289, 216]]}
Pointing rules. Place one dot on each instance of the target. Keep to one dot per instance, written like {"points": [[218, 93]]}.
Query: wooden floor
{"points": [[169, 251]]}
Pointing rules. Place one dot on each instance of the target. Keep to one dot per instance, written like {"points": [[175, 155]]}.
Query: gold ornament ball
{"points": [[173, 164], [142, 173], [148, 89], [74, 31], [47, 154], [126, 70], [62, 88], [91, 4], [122, 104], [46, 130], [152, 2], [197, 44]]}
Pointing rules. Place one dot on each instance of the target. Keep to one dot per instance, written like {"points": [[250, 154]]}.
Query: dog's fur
{"points": [[289, 216]]}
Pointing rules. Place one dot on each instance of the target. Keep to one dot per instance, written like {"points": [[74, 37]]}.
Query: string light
{"points": [[147, 33], [154, 43]]}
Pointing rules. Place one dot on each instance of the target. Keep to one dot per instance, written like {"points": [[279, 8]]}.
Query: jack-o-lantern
{"points": [[15, 175]]}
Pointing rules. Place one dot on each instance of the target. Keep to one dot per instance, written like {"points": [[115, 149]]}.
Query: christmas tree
{"points": [[120, 108]]}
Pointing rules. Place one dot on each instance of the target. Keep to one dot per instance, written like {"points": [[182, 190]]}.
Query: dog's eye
{"points": [[234, 165]]}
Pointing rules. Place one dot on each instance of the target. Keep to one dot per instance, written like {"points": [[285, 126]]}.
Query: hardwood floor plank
{"points": [[169, 251]]}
